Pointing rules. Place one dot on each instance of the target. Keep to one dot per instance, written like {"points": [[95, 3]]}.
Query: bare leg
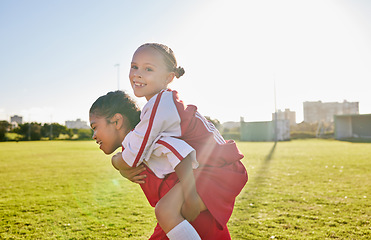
{"points": [[168, 209]]}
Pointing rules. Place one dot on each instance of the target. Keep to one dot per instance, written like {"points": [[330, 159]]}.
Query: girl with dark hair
{"points": [[112, 117]]}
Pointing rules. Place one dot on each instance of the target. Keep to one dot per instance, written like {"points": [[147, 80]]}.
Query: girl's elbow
{"points": [[114, 163], [119, 163]]}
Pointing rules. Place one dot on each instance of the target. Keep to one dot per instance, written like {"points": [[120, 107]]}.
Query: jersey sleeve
{"points": [[175, 151], [159, 118]]}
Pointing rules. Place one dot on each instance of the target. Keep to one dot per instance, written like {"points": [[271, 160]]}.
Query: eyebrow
{"points": [[144, 64]]}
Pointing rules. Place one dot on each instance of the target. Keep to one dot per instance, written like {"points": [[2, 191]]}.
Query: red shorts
{"points": [[155, 188], [217, 187]]}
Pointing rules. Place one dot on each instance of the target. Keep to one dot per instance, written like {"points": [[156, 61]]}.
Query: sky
{"points": [[242, 58]]}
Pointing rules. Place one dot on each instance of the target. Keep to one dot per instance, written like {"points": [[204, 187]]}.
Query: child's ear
{"points": [[170, 77], [120, 120], [117, 119]]}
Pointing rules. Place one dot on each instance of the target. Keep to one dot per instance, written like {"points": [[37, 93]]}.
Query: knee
{"points": [[162, 212], [167, 216]]}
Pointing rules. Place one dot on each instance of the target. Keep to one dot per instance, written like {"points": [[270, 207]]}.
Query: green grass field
{"points": [[302, 189]]}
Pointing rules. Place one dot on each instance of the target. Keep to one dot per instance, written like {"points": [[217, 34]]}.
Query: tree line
{"points": [[37, 131]]}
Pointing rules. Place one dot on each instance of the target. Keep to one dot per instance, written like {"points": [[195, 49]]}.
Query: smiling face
{"points": [[106, 133], [148, 73]]}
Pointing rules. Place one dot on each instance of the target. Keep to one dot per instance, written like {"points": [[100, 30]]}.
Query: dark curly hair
{"points": [[169, 58], [116, 102]]}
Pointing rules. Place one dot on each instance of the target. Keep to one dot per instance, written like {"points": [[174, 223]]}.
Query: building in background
{"points": [[316, 112], [352, 126], [285, 115], [78, 124], [16, 119], [265, 131]]}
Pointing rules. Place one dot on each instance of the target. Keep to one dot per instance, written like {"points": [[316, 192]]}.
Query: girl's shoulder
{"points": [[164, 102], [166, 95], [169, 92]]}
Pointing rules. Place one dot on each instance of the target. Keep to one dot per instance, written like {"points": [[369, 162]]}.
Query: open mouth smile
{"points": [[138, 84]]}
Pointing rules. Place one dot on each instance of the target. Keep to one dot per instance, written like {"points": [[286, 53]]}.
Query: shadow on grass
{"points": [[356, 140], [263, 171], [257, 181], [271, 152]]}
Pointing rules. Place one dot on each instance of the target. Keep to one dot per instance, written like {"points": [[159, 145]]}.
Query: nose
{"points": [[94, 136], [138, 75]]}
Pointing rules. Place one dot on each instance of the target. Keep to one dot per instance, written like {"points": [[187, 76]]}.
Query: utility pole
{"points": [[51, 128], [275, 113], [118, 75], [29, 128]]}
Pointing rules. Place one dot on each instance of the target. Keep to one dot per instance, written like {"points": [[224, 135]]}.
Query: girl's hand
{"points": [[191, 207], [133, 174]]}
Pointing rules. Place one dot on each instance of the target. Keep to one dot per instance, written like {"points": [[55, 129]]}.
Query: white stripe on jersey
{"points": [[211, 128]]}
